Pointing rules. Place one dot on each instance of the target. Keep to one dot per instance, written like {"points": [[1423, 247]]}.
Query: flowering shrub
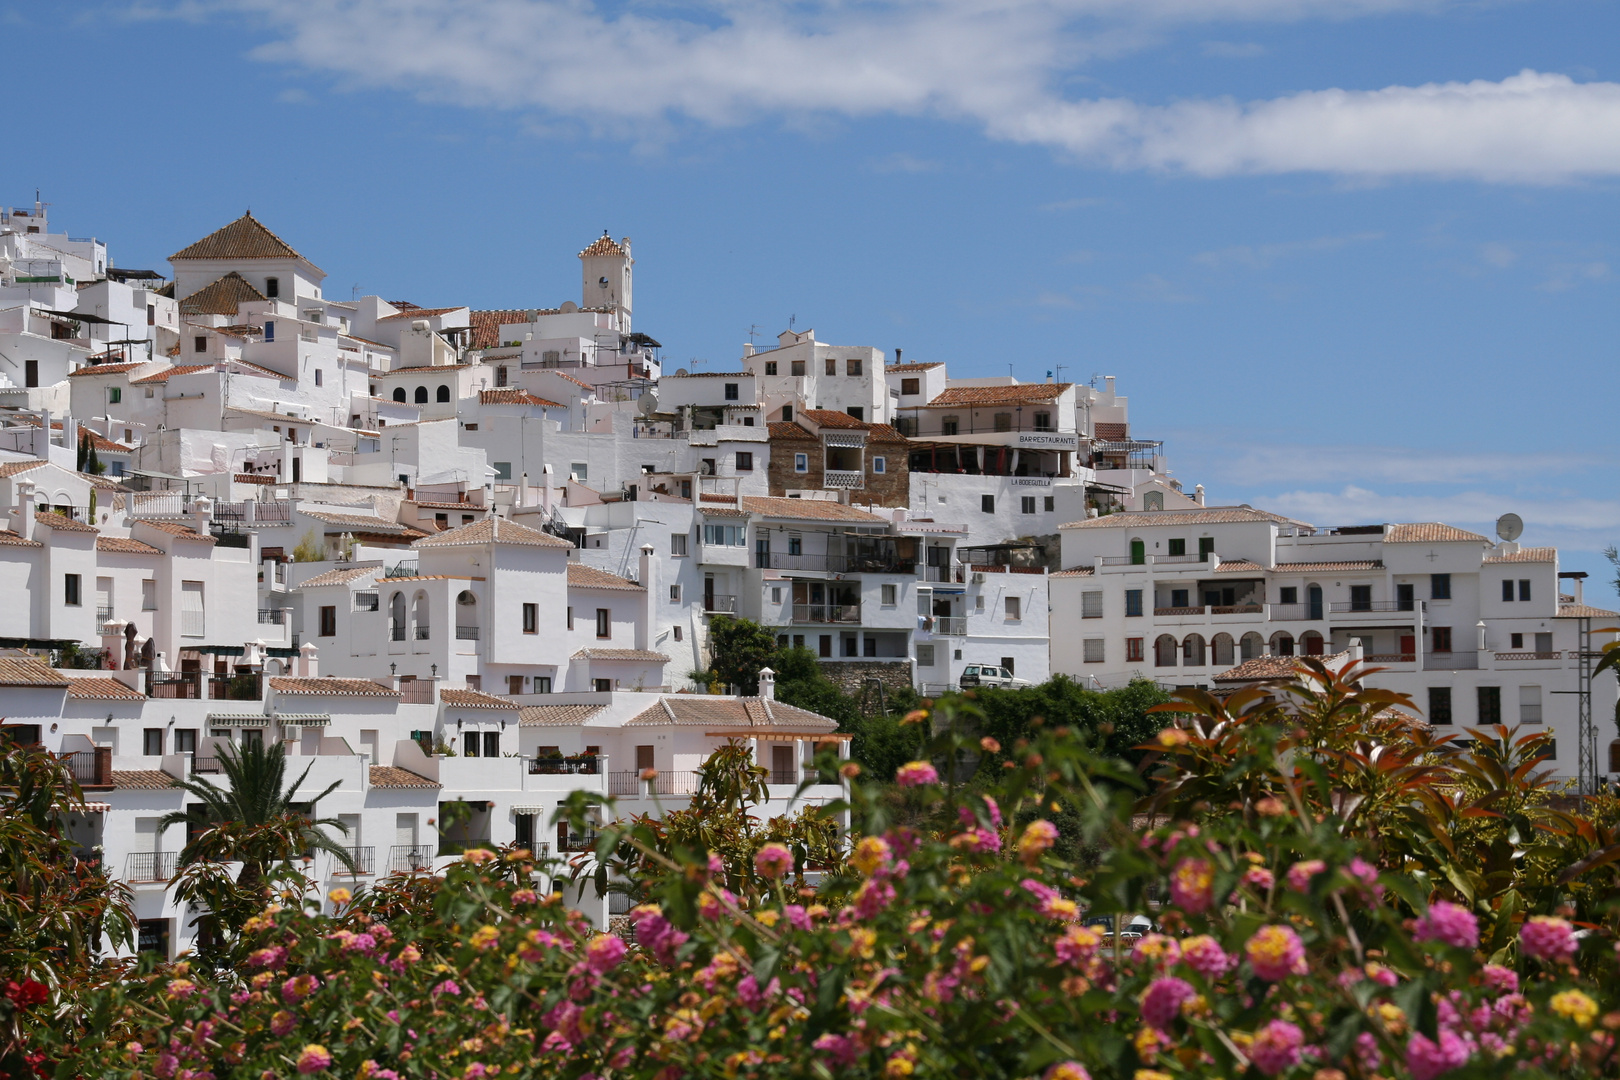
{"points": [[923, 956]]}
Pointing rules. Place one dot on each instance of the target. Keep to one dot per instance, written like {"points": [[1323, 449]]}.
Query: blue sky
{"points": [[1354, 260]]}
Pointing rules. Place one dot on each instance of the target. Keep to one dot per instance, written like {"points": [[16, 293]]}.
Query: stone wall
{"points": [[892, 487], [851, 675]]}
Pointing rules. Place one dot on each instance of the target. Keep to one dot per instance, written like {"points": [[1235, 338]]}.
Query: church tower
{"points": [[606, 277]]}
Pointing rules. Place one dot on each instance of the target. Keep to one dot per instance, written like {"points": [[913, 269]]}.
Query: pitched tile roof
{"points": [[808, 510], [1022, 393], [581, 576], [368, 522], [143, 779], [12, 468], [183, 531], [420, 313], [125, 545], [493, 530], [221, 297], [1344, 565], [1238, 566], [640, 655], [11, 539], [1534, 554], [558, 715], [829, 418], [513, 396], [884, 433], [102, 689], [475, 699], [27, 671], [486, 325], [341, 576], [1219, 515], [170, 372], [1428, 532], [1261, 667], [787, 429], [1585, 611], [100, 441], [244, 238], [63, 523], [330, 687], [1079, 571], [914, 367], [741, 713], [106, 369], [389, 776], [604, 245]]}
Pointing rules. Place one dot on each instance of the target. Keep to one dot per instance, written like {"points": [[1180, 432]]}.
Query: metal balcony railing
{"points": [[849, 614], [421, 633], [949, 625], [1339, 607], [784, 776], [178, 686], [583, 765], [416, 691], [409, 859], [1294, 612], [629, 783], [274, 616], [1178, 611], [396, 632], [150, 865], [204, 764], [466, 633], [716, 604], [576, 842], [955, 572], [364, 859], [104, 613]]}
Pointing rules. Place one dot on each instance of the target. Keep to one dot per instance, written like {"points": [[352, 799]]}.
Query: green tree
{"points": [[739, 648], [309, 549]]}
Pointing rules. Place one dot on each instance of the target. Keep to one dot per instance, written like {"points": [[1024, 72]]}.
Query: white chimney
{"points": [[767, 684], [1108, 381], [1198, 494], [1355, 651], [649, 582], [23, 513]]}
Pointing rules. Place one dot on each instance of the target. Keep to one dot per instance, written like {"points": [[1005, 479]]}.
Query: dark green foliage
{"points": [[1114, 722], [739, 648]]}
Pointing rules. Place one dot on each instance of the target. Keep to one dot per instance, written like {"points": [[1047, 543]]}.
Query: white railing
{"points": [[843, 478]]}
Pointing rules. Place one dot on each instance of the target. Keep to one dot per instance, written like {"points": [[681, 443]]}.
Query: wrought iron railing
{"points": [[150, 865], [466, 633], [363, 858], [714, 603], [827, 613], [409, 859]]}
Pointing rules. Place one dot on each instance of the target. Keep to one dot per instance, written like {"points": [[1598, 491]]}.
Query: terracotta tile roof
{"points": [[125, 545], [184, 532], [1022, 393], [102, 689], [329, 687], [388, 776], [604, 245], [1535, 554], [581, 576], [513, 396], [420, 313], [1238, 566], [1108, 431], [829, 418], [914, 367], [1345, 565], [493, 530], [106, 369], [340, 576], [12, 468], [1585, 611], [808, 510], [1428, 532], [62, 522], [711, 497], [221, 297], [787, 429], [1219, 515], [168, 373], [884, 433], [448, 505], [369, 522], [1261, 667], [741, 713], [639, 655], [143, 779], [558, 715], [244, 238], [486, 325], [475, 699], [1079, 571], [11, 539], [722, 511], [27, 671], [100, 441]]}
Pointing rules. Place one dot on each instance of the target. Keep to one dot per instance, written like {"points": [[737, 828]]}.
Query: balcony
{"points": [[1389, 658], [682, 782], [1556, 654], [784, 776], [846, 614], [150, 865], [416, 691], [947, 625], [104, 613], [577, 842], [716, 604], [204, 764], [843, 478], [187, 686], [364, 859], [466, 633], [954, 573], [90, 767], [1177, 611], [246, 686], [409, 859], [1294, 612], [875, 562], [274, 616], [1340, 607], [580, 765], [1451, 661], [1237, 609]]}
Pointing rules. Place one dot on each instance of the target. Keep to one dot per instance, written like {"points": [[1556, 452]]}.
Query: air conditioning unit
{"points": [[978, 578]]}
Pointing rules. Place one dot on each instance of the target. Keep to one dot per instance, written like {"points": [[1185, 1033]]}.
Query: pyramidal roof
{"points": [[605, 245], [220, 297], [244, 238]]}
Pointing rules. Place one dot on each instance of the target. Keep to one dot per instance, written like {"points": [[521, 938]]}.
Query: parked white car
{"points": [[990, 675]]}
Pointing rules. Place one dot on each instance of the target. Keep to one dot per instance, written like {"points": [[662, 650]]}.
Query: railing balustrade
{"points": [[150, 865]]}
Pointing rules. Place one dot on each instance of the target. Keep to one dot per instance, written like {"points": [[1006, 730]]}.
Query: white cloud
{"points": [[1257, 257], [997, 66]]}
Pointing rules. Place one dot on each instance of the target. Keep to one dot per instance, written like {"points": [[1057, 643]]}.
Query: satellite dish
{"points": [[1509, 527], [648, 403], [680, 371]]}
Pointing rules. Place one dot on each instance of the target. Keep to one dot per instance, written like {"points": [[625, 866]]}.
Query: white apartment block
{"points": [[1475, 632]]}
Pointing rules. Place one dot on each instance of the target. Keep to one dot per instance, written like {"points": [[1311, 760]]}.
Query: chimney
{"points": [[44, 426], [523, 487], [309, 665], [202, 514], [1198, 494], [23, 513], [649, 582], [897, 354], [1355, 652], [767, 684], [1108, 381]]}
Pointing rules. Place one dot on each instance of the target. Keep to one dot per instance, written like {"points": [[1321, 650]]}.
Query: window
{"points": [[1544, 643], [570, 617], [115, 394], [1288, 594], [674, 594], [1442, 638], [1524, 590], [925, 655], [1091, 651], [725, 535], [604, 624], [1404, 598], [1091, 604], [787, 412], [1515, 641], [152, 742], [492, 744], [1179, 598], [987, 503], [1043, 421], [269, 330], [852, 367], [199, 343], [399, 394], [949, 424], [443, 393], [731, 391], [801, 463], [1133, 602], [880, 465], [978, 602], [1049, 504], [1014, 609], [421, 395], [745, 461], [857, 412], [318, 380], [470, 741], [677, 630], [890, 595], [1177, 547], [1440, 705], [770, 367], [1490, 705], [272, 287], [1026, 504], [1529, 704], [1507, 591], [503, 470], [328, 620], [1206, 547], [910, 387], [677, 545], [1003, 421], [531, 618], [1133, 650], [776, 594], [542, 684], [151, 314], [148, 595], [602, 686], [500, 376], [70, 590], [1361, 598], [579, 471]]}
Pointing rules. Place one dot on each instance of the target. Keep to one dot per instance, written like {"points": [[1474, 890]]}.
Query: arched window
{"points": [[399, 393], [1164, 651], [444, 392], [1192, 651], [421, 395], [1310, 643], [1282, 644], [1221, 649], [1252, 646], [396, 617], [419, 616], [466, 616]]}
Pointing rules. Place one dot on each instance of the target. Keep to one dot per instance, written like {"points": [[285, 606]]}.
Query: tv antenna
{"points": [[753, 332], [791, 320], [1060, 368]]}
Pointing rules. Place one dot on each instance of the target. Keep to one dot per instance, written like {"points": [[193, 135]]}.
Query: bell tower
{"points": [[605, 277]]}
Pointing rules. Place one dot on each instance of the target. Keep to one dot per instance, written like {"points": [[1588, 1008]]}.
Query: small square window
{"points": [[853, 366], [1178, 547], [1092, 651], [832, 365], [1288, 594], [1049, 504], [776, 594], [890, 595], [115, 394], [801, 463], [1133, 650], [677, 545], [1439, 586], [925, 655], [199, 343], [880, 465], [731, 391], [987, 504], [910, 387], [1014, 609], [745, 461], [1515, 641], [1026, 504], [1091, 604], [677, 630], [1507, 591], [770, 367], [674, 594], [1440, 705]]}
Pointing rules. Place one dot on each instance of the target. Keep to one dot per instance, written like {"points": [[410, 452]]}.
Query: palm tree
{"points": [[254, 821]]}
